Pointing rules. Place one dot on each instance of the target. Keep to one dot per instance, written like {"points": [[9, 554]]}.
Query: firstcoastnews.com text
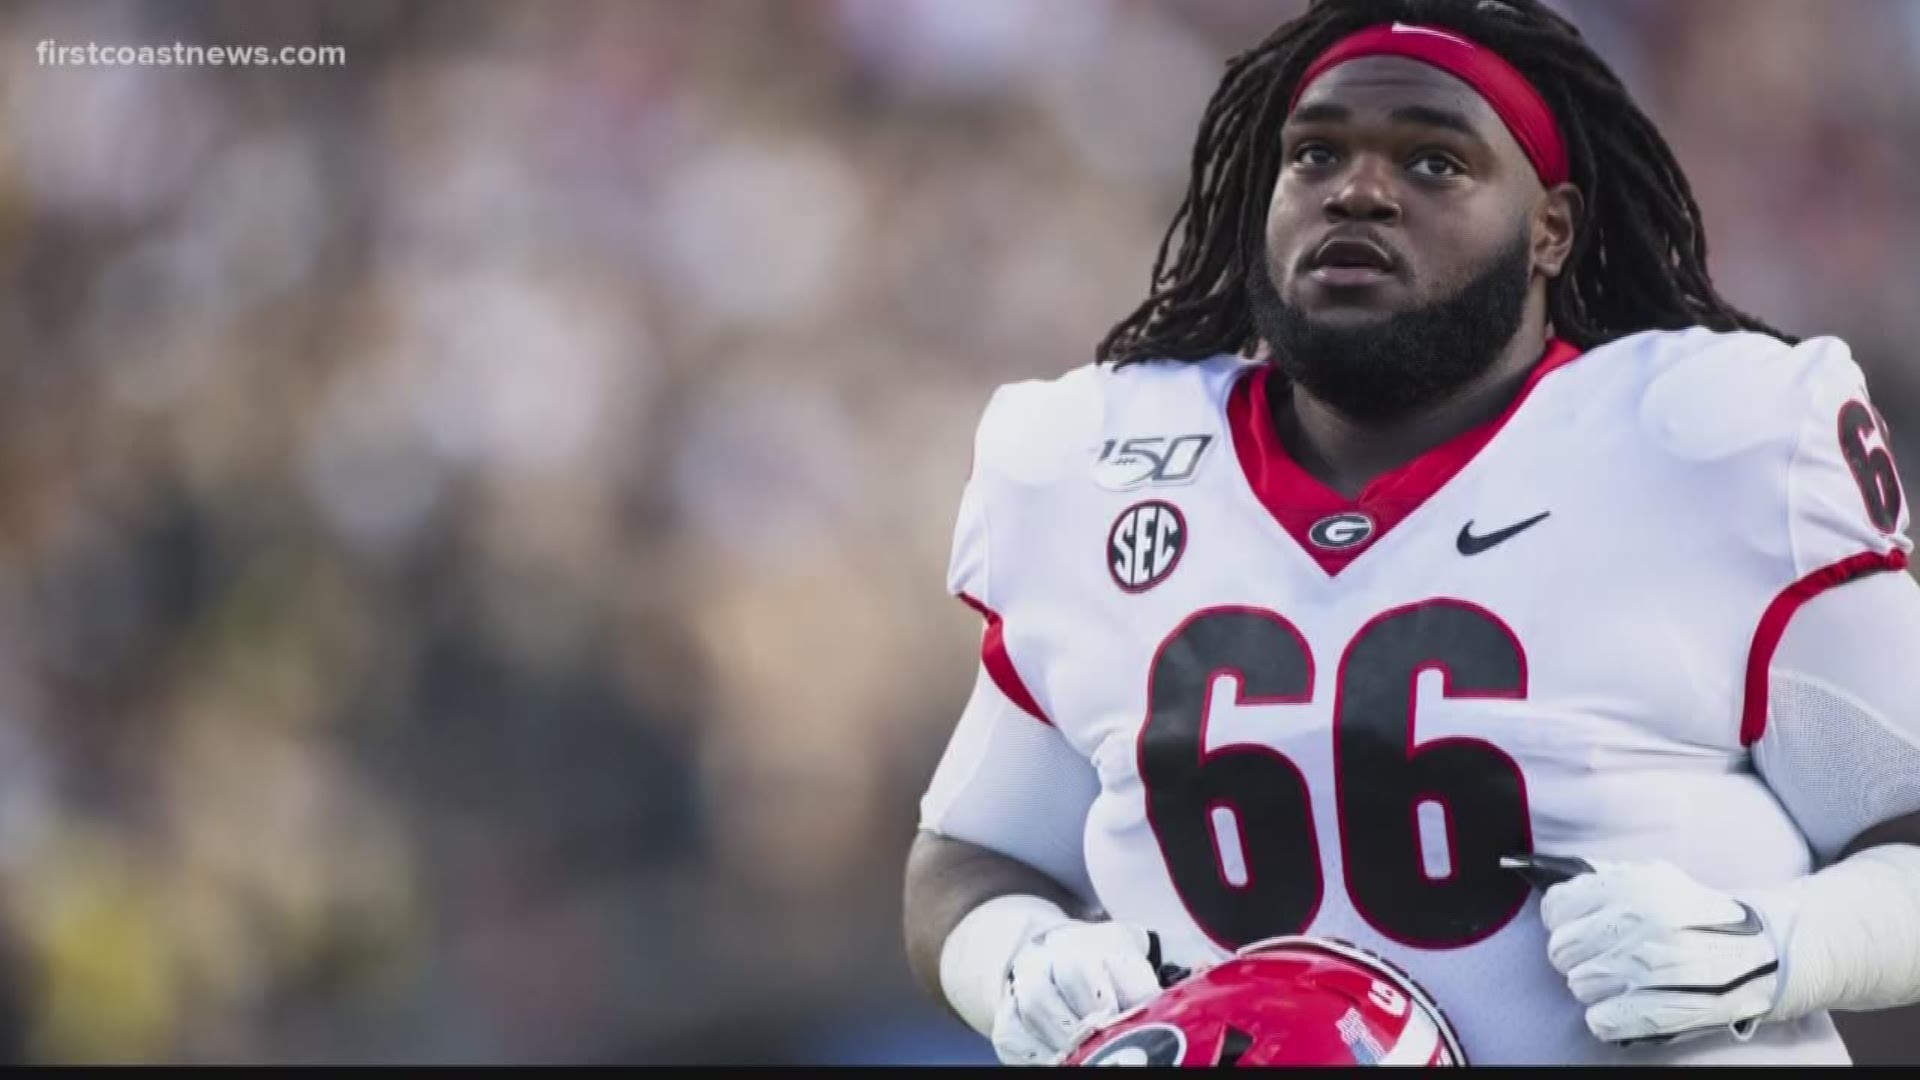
{"points": [[53, 54]]}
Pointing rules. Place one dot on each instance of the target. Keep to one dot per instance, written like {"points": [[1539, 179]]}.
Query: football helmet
{"points": [[1299, 1001]]}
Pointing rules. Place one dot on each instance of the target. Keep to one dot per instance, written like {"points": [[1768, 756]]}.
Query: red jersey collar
{"points": [[1299, 501]]}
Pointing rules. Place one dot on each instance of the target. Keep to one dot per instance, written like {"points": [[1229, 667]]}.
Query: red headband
{"points": [[1511, 95]]}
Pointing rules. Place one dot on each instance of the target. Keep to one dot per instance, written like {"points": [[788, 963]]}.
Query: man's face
{"points": [[1407, 235], [1398, 186]]}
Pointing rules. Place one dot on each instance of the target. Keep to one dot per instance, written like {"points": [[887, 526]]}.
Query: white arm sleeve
{"points": [[1842, 744], [1012, 784]]}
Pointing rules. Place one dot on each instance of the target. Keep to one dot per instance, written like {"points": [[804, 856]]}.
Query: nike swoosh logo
{"points": [[1771, 967], [1471, 545], [1748, 926]]}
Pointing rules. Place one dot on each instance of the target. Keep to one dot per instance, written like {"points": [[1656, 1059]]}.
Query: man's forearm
{"points": [[948, 879], [1849, 935]]}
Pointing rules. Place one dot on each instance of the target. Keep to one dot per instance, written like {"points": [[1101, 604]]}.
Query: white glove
{"points": [[1067, 979], [1658, 956]]}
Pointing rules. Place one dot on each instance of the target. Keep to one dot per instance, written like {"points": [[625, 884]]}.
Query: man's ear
{"points": [[1554, 226]]}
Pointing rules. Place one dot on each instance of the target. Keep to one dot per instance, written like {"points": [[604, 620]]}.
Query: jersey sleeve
{"points": [[1009, 780], [1017, 449], [1014, 786], [1846, 515], [1845, 498], [1841, 750], [969, 563]]}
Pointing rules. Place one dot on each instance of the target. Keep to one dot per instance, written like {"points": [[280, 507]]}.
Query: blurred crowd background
{"points": [[473, 521]]}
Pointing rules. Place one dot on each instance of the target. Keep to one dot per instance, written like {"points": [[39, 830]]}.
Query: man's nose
{"points": [[1365, 193]]}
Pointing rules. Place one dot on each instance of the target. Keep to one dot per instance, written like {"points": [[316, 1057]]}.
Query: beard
{"points": [[1398, 366]]}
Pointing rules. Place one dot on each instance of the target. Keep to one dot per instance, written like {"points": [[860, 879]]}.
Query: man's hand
{"points": [[1657, 955], [1065, 980]]}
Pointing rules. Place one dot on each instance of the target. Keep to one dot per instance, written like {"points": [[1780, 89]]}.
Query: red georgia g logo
{"points": [[1145, 545]]}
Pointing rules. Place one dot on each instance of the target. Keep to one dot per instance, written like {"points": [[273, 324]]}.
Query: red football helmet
{"points": [[1296, 1001]]}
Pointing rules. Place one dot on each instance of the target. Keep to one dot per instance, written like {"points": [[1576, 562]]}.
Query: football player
{"points": [[1432, 525]]}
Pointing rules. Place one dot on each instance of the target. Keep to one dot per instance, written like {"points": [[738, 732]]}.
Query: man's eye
{"points": [[1437, 166], [1313, 154]]}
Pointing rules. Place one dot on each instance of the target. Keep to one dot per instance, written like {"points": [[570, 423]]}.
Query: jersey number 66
{"points": [[1382, 779]]}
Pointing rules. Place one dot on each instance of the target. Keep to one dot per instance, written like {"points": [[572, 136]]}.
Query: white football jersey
{"points": [[1331, 716]]}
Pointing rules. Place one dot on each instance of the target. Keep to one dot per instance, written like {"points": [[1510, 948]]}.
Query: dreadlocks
{"points": [[1639, 258]]}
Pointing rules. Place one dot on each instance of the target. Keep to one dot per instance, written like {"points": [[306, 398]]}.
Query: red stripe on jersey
{"points": [[1773, 627], [1298, 500], [993, 653]]}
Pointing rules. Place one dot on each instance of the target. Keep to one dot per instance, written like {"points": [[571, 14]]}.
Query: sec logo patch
{"points": [[1145, 545]]}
